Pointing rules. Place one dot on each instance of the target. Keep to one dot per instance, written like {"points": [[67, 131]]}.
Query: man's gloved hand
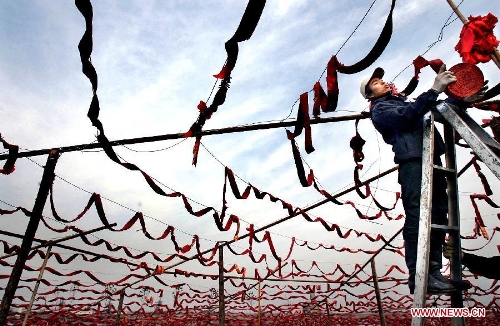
{"points": [[448, 251], [479, 95], [443, 79]]}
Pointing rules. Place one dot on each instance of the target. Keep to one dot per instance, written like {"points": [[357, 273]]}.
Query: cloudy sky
{"points": [[155, 61]]}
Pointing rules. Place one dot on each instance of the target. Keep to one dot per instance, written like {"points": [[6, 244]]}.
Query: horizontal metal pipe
{"points": [[151, 139]]}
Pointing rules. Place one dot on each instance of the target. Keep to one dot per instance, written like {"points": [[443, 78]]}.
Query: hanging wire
{"points": [[155, 150], [351, 35], [338, 51], [439, 39]]}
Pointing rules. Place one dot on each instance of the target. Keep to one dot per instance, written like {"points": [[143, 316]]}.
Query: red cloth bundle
{"points": [[477, 40]]}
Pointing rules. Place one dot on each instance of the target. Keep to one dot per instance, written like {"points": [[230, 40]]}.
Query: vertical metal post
{"points": [[37, 284], [222, 312], [120, 306], [328, 313], [377, 294], [453, 220], [424, 223], [36, 216], [258, 312]]}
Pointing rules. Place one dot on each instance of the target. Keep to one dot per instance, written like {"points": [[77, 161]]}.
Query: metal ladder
{"points": [[486, 149]]}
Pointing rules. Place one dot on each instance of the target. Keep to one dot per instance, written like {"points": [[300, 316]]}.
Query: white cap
{"points": [[377, 73]]}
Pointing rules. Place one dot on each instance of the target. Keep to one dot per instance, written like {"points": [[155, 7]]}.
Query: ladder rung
{"points": [[445, 227], [442, 168]]}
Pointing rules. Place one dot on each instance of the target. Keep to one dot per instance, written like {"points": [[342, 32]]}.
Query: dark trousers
{"points": [[410, 179]]}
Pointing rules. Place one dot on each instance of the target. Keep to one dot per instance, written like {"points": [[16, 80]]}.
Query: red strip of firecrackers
{"points": [[303, 122], [479, 220], [339, 303], [244, 31], [335, 66], [8, 166], [494, 124]]}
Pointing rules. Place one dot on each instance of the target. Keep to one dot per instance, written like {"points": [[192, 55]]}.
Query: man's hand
{"points": [[443, 79], [479, 95]]}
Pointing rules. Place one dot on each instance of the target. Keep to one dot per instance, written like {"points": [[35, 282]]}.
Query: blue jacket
{"points": [[400, 124]]}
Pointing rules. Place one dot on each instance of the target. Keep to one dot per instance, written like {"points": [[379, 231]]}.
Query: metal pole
{"points": [[151, 139], [222, 312], [258, 300], [35, 289], [36, 216], [15, 235], [495, 56], [453, 219], [122, 260], [259, 279], [120, 305], [328, 313], [377, 294], [53, 242], [229, 298], [424, 223]]}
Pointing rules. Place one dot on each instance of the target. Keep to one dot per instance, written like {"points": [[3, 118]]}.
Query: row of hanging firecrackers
{"points": [[299, 211], [187, 248], [292, 274], [306, 289], [95, 199], [251, 237], [85, 47], [236, 192], [244, 31]]}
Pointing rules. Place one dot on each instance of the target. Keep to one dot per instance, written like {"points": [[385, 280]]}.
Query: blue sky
{"points": [[155, 61]]}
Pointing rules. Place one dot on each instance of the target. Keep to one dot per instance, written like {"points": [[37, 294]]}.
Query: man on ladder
{"points": [[399, 121]]}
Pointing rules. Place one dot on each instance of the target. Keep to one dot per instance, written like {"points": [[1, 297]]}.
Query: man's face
{"points": [[378, 88]]}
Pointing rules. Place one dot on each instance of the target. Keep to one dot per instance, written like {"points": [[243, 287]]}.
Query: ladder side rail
{"points": [[424, 229], [483, 145], [453, 219]]}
